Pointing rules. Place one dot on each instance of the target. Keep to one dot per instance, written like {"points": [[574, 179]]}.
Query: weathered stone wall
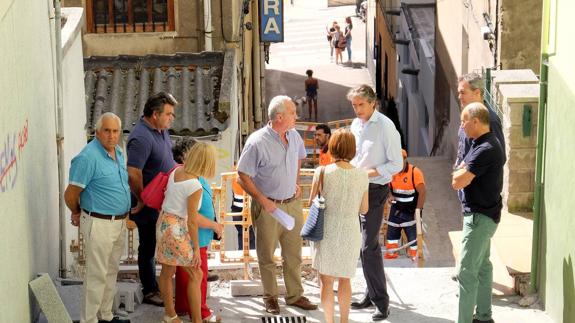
{"points": [[520, 36]]}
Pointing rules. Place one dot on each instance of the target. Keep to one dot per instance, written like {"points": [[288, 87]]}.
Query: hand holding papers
{"points": [[283, 218]]}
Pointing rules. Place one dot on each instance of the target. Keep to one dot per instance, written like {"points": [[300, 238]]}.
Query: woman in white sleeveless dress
{"points": [[345, 192]]}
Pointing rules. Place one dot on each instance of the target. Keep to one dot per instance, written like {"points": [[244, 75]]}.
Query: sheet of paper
{"points": [[283, 218]]}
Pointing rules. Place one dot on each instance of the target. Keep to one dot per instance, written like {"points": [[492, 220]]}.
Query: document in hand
{"points": [[283, 218]]}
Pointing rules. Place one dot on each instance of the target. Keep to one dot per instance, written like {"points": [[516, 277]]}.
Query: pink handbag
{"points": [[153, 194]]}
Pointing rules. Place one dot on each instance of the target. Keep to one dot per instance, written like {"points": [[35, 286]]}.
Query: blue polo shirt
{"points": [[485, 160], [104, 180], [206, 210], [149, 150]]}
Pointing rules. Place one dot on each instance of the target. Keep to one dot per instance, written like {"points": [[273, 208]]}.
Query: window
{"points": [[128, 16]]}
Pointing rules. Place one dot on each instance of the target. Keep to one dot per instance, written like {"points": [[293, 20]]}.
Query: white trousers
{"points": [[104, 242]]}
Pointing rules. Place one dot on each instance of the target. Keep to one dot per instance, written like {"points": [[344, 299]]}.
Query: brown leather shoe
{"points": [[272, 305], [304, 304]]}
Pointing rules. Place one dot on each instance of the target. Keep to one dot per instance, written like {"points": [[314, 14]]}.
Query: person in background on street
{"points": [[177, 230], [339, 44], [321, 136], [238, 207], [480, 176], [330, 33], [149, 152], [207, 225], [345, 190], [98, 195], [268, 171], [407, 198], [379, 153], [347, 35], [311, 87]]}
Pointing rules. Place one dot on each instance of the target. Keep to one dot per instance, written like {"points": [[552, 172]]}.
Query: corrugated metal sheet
{"points": [[122, 84]]}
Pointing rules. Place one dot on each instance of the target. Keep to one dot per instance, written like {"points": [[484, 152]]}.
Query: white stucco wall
{"points": [[74, 103], [28, 163]]}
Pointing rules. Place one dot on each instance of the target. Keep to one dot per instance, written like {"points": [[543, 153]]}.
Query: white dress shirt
{"points": [[378, 145]]}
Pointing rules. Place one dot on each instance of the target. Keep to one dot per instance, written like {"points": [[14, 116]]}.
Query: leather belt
{"points": [[283, 201], [106, 217]]}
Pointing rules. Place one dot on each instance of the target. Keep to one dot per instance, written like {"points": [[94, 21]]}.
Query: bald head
{"points": [[475, 120]]}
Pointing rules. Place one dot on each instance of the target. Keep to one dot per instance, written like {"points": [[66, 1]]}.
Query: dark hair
{"points": [[156, 103], [342, 144], [323, 127], [309, 72], [180, 148]]}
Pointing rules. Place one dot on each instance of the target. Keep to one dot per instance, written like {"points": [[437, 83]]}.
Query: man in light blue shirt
{"points": [[378, 151], [268, 171], [98, 196]]}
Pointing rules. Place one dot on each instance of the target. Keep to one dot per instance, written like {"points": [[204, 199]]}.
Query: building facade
{"points": [[472, 36], [554, 240]]}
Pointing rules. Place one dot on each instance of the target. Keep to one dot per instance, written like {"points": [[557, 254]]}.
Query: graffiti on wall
{"points": [[10, 154]]}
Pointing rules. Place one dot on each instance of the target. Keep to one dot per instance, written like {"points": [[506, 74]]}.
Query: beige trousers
{"points": [[268, 233], [103, 245]]}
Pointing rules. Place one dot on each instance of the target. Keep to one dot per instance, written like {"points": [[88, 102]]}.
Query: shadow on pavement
{"points": [[332, 102]]}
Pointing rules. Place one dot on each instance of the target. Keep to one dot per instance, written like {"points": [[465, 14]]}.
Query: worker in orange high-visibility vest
{"points": [[407, 198]]}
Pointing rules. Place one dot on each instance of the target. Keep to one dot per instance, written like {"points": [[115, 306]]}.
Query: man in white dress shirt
{"points": [[378, 151]]}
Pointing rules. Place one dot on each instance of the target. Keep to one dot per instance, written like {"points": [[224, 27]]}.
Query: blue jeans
{"points": [[348, 47], [475, 274]]}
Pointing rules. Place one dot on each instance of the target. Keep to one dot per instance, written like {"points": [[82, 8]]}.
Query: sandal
{"points": [[174, 319]]}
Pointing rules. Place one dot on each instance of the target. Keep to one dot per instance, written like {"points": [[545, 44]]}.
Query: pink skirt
{"points": [[173, 243]]}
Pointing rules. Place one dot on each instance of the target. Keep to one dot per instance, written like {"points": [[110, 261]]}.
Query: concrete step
{"points": [[510, 251]]}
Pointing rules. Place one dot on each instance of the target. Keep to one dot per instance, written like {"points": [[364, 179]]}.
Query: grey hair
{"points": [[107, 115], [474, 80], [479, 111], [277, 105], [364, 91]]}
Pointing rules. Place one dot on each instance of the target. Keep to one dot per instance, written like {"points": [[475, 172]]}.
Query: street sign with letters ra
{"points": [[271, 21]]}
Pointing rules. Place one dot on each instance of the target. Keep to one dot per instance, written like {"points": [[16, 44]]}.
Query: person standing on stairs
{"points": [[479, 176]]}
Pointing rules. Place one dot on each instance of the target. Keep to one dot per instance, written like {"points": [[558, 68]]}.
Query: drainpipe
{"points": [[256, 65], [537, 195], [60, 137], [208, 28]]}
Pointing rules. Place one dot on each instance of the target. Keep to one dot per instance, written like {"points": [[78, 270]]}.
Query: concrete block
{"points": [[50, 302], [515, 138], [521, 180], [252, 288], [519, 76], [513, 93], [515, 112], [520, 202], [522, 158]]}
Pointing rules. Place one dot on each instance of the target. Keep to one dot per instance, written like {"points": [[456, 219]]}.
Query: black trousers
{"points": [[146, 221], [371, 257]]}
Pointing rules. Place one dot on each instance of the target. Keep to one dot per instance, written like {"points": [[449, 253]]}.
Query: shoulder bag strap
{"points": [[320, 184]]}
